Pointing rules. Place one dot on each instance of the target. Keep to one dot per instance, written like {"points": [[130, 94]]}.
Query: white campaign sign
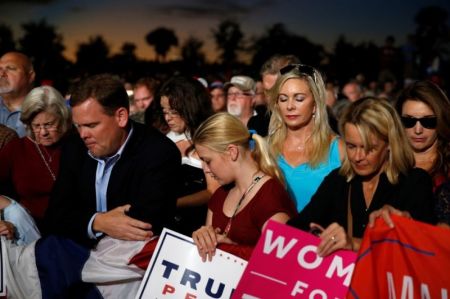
{"points": [[3, 267], [177, 271]]}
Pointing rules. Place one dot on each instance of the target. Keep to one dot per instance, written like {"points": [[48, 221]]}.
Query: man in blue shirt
{"points": [[118, 177], [16, 80]]}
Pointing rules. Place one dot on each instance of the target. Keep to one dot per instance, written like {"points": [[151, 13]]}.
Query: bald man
{"points": [[16, 80]]}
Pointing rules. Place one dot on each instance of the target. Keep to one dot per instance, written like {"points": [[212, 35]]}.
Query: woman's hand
{"points": [[385, 213], [332, 238], [206, 238], [7, 229]]}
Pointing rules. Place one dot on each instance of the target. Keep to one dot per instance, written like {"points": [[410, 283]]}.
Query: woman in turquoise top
{"points": [[299, 133]]}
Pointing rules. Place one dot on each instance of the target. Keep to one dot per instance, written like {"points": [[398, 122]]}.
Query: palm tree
{"points": [[44, 45], [228, 38], [162, 39], [191, 51], [92, 56]]}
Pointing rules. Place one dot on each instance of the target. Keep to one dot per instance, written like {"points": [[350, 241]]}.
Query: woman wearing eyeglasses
{"points": [[425, 114], [185, 103], [299, 133], [29, 165], [378, 170]]}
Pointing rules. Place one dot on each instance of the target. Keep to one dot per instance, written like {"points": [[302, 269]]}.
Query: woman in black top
{"points": [[378, 169], [185, 104]]}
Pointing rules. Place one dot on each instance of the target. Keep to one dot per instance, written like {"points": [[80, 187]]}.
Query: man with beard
{"points": [[240, 97]]}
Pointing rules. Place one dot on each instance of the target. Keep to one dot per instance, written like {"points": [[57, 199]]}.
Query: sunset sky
{"points": [[129, 21]]}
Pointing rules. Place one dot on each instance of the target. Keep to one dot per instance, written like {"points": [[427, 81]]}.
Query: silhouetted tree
{"points": [[128, 50], [433, 38], [92, 57], [45, 46], [229, 38], [272, 42], [278, 40], [124, 63], [6, 39], [344, 63], [162, 39], [191, 53], [367, 60]]}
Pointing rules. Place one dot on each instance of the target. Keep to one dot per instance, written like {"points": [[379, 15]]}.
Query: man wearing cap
{"points": [[240, 97]]}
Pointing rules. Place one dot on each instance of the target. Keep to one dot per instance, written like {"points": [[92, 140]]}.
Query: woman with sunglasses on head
{"points": [[29, 165], [378, 170], [251, 191], [425, 114], [299, 133]]}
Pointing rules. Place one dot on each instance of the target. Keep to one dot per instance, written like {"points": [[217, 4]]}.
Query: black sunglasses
{"points": [[426, 122], [302, 68]]}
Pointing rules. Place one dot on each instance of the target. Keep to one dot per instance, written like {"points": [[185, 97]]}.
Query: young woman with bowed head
{"points": [[252, 191], [378, 169], [299, 134]]}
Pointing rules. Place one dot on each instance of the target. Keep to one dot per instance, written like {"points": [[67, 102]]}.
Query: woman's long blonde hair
{"points": [[377, 117], [321, 135], [223, 129]]}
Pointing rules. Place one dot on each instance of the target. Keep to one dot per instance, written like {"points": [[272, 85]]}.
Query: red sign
{"points": [[408, 261]]}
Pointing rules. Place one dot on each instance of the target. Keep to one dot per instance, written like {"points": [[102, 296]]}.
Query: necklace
{"points": [[254, 182], [45, 161], [50, 157], [302, 146]]}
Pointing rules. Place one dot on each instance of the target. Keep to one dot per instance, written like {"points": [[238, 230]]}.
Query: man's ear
{"points": [[233, 151], [121, 116], [31, 77]]}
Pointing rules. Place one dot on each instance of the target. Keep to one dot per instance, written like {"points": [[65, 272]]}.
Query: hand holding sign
{"points": [[332, 238], [285, 264], [206, 238]]}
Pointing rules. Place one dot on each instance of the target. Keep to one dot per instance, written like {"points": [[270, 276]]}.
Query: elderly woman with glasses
{"points": [[29, 165], [378, 170], [299, 134], [425, 114]]}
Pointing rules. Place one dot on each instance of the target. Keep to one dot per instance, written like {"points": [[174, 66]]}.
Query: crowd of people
{"points": [[216, 161]]}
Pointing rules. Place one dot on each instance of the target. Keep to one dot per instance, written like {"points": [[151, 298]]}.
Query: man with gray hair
{"points": [[16, 80]]}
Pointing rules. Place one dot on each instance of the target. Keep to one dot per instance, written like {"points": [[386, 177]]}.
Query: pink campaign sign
{"points": [[284, 264]]}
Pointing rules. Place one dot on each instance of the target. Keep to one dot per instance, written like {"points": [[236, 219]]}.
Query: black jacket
{"points": [[146, 176], [413, 193]]}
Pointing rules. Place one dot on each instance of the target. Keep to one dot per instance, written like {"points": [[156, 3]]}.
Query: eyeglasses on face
{"points": [[302, 68], [49, 126], [238, 94], [426, 122]]}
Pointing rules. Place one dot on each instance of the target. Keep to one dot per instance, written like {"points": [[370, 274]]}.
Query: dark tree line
{"points": [[427, 53]]}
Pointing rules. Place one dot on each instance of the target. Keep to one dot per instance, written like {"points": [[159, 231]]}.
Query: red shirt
{"points": [[24, 175], [246, 227]]}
